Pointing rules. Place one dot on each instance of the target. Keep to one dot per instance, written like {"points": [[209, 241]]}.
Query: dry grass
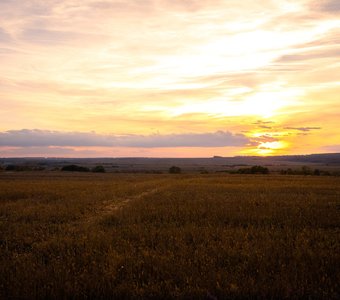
{"points": [[163, 236]]}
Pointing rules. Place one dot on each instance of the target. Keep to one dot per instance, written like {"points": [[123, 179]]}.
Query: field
{"points": [[162, 236]]}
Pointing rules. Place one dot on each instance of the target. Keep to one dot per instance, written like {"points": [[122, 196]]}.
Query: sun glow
{"points": [[239, 102], [269, 148]]}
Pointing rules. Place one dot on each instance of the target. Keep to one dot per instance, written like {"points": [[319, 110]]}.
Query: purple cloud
{"points": [[45, 138], [329, 6]]}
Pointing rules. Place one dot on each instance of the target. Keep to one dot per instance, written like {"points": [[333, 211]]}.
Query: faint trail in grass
{"points": [[112, 206]]}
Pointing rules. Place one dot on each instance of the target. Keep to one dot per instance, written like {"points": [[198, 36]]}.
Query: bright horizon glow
{"points": [[169, 78]]}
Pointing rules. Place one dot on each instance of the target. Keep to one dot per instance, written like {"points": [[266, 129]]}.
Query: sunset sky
{"points": [[169, 78]]}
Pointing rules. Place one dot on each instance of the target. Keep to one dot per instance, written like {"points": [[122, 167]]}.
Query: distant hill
{"points": [[327, 158], [215, 163]]}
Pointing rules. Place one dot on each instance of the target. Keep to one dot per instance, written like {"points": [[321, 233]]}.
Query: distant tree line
{"points": [[308, 171], [20, 168], [305, 170], [76, 168], [137, 172], [70, 168], [253, 170]]}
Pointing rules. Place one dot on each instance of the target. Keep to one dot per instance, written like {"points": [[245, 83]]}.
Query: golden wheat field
{"points": [[185, 236]]}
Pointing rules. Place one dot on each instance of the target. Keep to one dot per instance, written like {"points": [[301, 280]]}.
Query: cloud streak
{"points": [[44, 138]]}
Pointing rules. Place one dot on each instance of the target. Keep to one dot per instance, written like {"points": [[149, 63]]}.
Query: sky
{"points": [[169, 78]]}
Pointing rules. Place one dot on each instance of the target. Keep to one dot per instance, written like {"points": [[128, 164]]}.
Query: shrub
{"points": [[175, 170], [10, 168], [259, 170], [317, 172], [306, 170], [98, 169]]}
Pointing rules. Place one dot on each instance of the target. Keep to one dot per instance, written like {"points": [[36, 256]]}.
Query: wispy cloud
{"points": [[47, 152], [310, 55], [4, 36], [305, 129]]}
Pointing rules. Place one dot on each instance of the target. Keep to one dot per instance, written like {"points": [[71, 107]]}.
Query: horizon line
{"points": [[150, 157]]}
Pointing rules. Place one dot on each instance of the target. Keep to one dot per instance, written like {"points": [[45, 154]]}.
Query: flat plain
{"points": [[169, 236]]}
